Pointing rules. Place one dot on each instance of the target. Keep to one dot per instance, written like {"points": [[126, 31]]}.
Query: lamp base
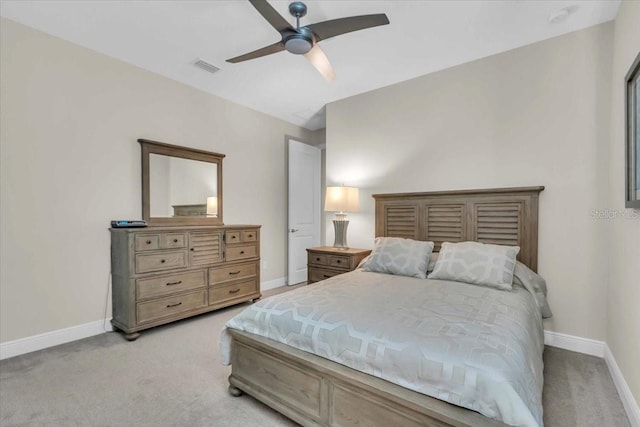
{"points": [[340, 227]]}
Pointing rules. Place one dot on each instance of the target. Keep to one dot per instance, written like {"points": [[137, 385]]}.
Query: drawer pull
{"points": [[162, 261], [234, 291], [326, 276], [338, 261], [175, 240], [192, 249], [241, 252], [250, 235], [234, 272], [233, 237], [174, 283], [174, 305], [317, 259], [148, 242]]}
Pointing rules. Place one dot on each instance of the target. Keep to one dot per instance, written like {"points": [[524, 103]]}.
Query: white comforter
{"points": [[469, 345]]}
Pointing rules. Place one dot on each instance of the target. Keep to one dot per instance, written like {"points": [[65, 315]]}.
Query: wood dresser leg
{"points": [[132, 336], [235, 391]]}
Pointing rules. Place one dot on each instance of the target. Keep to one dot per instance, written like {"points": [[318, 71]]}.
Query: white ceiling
{"points": [[166, 37]]}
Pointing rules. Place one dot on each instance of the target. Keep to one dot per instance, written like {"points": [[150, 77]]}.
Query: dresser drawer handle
{"points": [[148, 242], [234, 291], [250, 235], [174, 283], [175, 240], [162, 261], [317, 259], [338, 261], [233, 237], [174, 305], [192, 249], [241, 252], [234, 272]]}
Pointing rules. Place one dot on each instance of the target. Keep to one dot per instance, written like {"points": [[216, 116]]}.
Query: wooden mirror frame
{"points": [[154, 147]]}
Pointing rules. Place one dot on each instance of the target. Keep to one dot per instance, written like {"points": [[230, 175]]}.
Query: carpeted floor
{"points": [[172, 376]]}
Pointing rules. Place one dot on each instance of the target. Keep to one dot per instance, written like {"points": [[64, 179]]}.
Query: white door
{"points": [[304, 207]]}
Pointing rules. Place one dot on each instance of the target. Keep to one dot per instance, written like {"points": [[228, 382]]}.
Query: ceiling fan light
{"points": [[298, 44]]}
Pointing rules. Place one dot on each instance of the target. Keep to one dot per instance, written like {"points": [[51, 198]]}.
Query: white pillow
{"points": [[404, 257], [477, 263]]}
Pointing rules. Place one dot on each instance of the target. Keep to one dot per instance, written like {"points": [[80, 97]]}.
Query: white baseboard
{"points": [[50, 339], [62, 336], [628, 401], [573, 343], [272, 284]]}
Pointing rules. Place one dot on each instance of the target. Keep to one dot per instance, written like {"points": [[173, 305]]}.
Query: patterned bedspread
{"points": [[469, 345]]}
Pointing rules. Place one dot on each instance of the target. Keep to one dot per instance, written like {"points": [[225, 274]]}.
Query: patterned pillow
{"points": [[404, 257], [477, 263]]}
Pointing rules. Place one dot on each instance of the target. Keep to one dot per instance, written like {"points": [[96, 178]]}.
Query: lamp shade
{"points": [[342, 199], [212, 206]]}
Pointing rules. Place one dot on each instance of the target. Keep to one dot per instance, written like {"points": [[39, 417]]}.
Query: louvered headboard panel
{"points": [[503, 216]]}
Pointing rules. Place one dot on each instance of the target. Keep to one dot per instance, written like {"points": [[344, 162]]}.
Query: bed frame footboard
{"points": [[314, 391]]}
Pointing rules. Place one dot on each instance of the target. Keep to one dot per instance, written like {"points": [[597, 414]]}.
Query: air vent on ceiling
{"points": [[206, 66]]}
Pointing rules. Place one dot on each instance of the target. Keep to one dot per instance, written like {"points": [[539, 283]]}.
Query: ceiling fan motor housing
{"points": [[299, 42]]}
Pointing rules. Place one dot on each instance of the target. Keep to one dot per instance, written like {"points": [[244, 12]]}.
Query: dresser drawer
{"points": [[237, 290], [147, 242], [173, 240], [160, 261], [168, 306], [219, 275], [233, 236], [150, 242], [249, 235], [241, 252], [164, 285], [317, 274]]}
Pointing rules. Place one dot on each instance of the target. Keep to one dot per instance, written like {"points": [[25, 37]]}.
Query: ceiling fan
{"points": [[304, 40]]}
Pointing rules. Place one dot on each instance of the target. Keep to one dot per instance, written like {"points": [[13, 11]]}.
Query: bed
{"points": [[327, 383]]}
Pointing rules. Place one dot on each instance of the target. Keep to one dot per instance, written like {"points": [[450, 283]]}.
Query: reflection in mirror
{"points": [[182, 187]]}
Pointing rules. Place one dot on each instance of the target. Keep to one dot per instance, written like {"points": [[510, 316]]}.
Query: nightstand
{"points": [[326, 261]]}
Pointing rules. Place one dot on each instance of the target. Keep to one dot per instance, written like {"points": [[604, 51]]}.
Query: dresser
{"points": [[163, 274], [326, 261]]}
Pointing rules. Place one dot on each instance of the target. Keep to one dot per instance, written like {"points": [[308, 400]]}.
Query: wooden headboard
{"points": [[503, 216]]}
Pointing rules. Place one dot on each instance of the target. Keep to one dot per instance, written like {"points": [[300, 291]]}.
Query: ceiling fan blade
{"points": [[267, 11], [335, 27], [267, 50], [319, 60]]}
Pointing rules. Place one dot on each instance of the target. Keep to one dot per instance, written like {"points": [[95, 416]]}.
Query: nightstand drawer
{"points": [[164, 285], [317, 259], [163, 307], [339, 261], [318, 274], [160, 261]]}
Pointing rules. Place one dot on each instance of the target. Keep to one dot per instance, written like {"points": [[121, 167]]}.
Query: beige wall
{"points": [[537, 115], [70, 163], [623, 311]]}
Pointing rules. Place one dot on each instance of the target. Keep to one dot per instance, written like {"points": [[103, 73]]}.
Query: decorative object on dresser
{"points": [[326, 261], [341, 200]]}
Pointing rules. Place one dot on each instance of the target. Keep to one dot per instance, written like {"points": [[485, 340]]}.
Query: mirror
{"points": [[180, 185]]}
